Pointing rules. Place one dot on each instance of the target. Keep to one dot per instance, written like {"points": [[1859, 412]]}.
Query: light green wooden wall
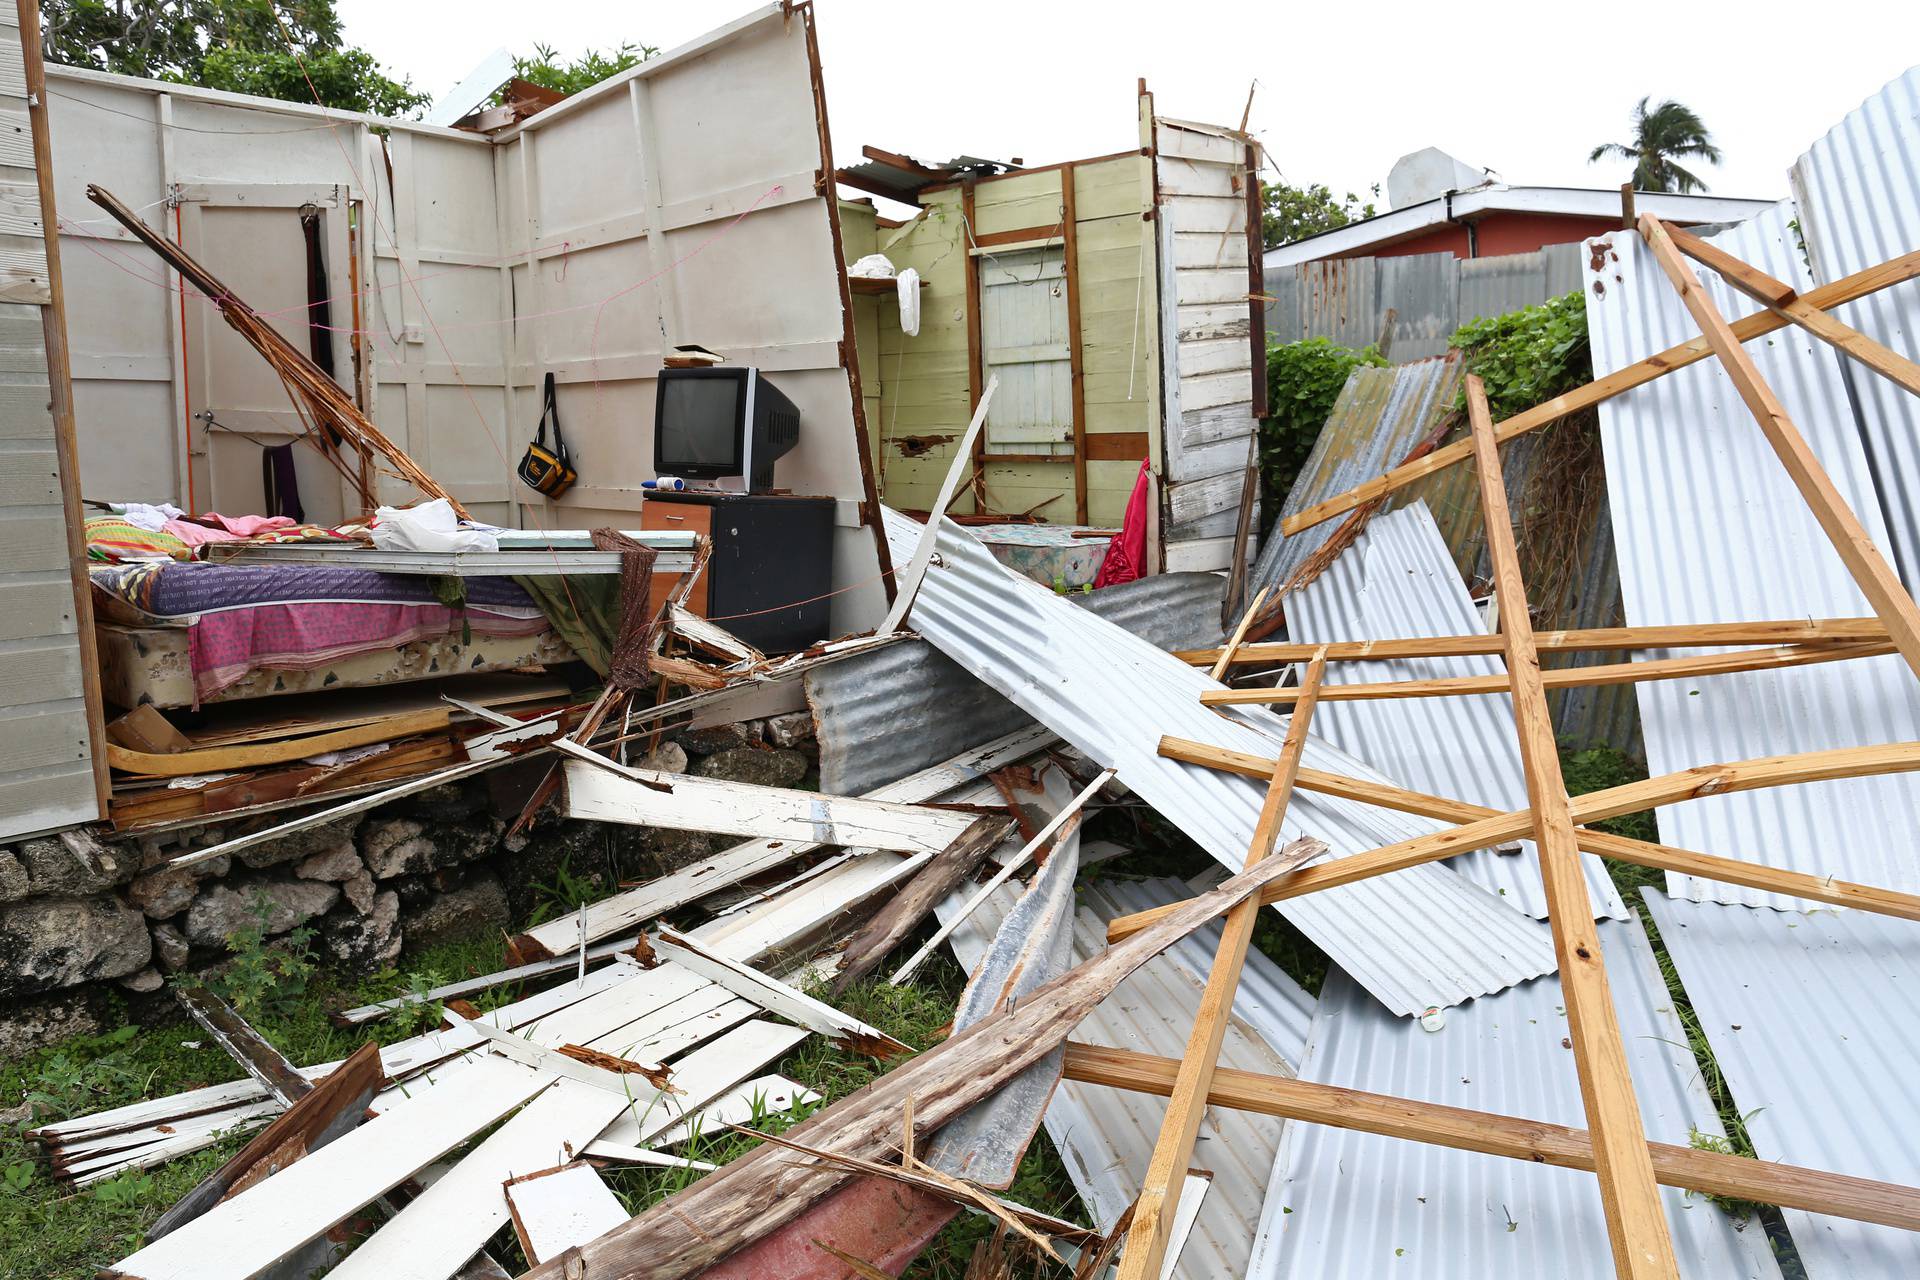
{"points": [[922, 381]]}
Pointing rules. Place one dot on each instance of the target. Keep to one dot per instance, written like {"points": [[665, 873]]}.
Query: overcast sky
{"points": [[1344, 88]]}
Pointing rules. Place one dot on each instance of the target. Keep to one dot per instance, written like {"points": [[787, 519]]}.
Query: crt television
{"points": [[719, 423]]}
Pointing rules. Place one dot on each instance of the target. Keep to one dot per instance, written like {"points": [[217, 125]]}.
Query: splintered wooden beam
{"points": [[1636, 1222], [1856, 286], [319, 1115], [1536, 1141], [1649, 793], [903, 912], [1779, 296], [1871, 572], [1643, 853], [1158, 1205], [1796, 631], [1705, 664], [768, 1187]]}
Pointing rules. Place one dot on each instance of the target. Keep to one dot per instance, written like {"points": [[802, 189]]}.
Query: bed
{"points": [[183, 633]]}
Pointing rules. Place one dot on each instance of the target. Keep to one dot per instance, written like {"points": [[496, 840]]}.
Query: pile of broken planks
{"points": [[655, 1031]]}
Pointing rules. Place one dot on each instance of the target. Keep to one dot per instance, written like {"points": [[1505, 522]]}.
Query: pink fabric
{"points": [[197, 535], [214, 527], [1127, 554], [247, 526], [227, 646]]}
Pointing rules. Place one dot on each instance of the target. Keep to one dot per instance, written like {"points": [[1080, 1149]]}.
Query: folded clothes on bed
{"points": [[173, 589]]}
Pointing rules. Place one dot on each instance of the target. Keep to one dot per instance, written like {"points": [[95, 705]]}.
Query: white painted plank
{"points": [[556, 1209], [643, 905], [775, 997], [704, 1075], [200, 1114], [611, 794], [601, 1149], [240, 1237], [691, 1021], [448, 1223], [762, 1096]]}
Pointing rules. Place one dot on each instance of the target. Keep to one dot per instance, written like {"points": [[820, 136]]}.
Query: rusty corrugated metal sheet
{"points": [[1381, 414]]}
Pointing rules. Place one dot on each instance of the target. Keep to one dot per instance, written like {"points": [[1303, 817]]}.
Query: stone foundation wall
{"points": [[83, 917]]}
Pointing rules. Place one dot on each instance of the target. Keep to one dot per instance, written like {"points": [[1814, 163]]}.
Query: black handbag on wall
{"points": [[550, 471]]}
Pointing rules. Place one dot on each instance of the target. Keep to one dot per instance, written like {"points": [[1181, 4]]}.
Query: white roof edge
{"points": [[652, 66], [247, 101], [1570, 201]]}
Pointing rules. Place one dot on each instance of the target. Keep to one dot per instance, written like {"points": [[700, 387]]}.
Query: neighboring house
{"points": [[1440, 205], [1456, 246]]}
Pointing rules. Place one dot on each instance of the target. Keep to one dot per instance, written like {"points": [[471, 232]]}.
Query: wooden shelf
{"points": [[877, 287]]}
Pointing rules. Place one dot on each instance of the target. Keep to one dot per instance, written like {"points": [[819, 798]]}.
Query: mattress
{"points": [[236, 622], [152, 665]]}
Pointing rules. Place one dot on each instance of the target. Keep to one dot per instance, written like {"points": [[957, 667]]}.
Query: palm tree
{"points": [[1669, 130]]}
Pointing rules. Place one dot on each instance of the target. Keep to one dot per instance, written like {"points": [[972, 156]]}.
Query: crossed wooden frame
{"points": [[1615, 1146]]}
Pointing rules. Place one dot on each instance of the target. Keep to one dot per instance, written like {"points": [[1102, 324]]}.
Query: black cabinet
{"points": [[772, 563]]}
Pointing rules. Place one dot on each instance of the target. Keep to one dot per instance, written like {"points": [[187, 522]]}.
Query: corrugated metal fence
{"points": [[1431, 295]]}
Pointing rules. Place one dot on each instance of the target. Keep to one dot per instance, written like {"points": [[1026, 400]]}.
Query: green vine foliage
{"points": [[1303, 381], [1529, 355]]}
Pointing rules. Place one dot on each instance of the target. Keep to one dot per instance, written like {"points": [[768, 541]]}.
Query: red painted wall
{"points": [[1498, 233]]}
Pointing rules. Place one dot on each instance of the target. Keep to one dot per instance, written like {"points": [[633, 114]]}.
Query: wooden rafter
{"points": [[1705, 664], [1643, 853], [1535, 1141], [1800, 631], [1840, 292], [1594, 806], [1155, 1209], [1636, 1221], [1779, 297], [1871, 572]]}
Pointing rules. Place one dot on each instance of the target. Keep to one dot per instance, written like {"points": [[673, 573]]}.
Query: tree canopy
{"points": [[549, 70], [1663, 135], [1289, 213], [261, 47]]}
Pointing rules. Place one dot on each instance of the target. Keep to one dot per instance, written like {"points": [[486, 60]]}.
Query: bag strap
{"points": [[550, 409]]}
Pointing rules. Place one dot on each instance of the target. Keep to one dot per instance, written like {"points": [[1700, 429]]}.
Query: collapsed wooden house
{"points": [[973, 712]]}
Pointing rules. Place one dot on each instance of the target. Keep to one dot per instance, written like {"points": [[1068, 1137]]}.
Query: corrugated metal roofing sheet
{"points": [[1710, 529], [1353, 1206], [881, 715], [1859, 207], [1380, 415], [1422, 937], [1815, 1022], [1106, 1136], [1398, 581]]}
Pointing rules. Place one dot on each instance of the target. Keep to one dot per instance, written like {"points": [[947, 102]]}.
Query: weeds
{"points": [[420, 1012], [564, 894], [264, 978]]}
